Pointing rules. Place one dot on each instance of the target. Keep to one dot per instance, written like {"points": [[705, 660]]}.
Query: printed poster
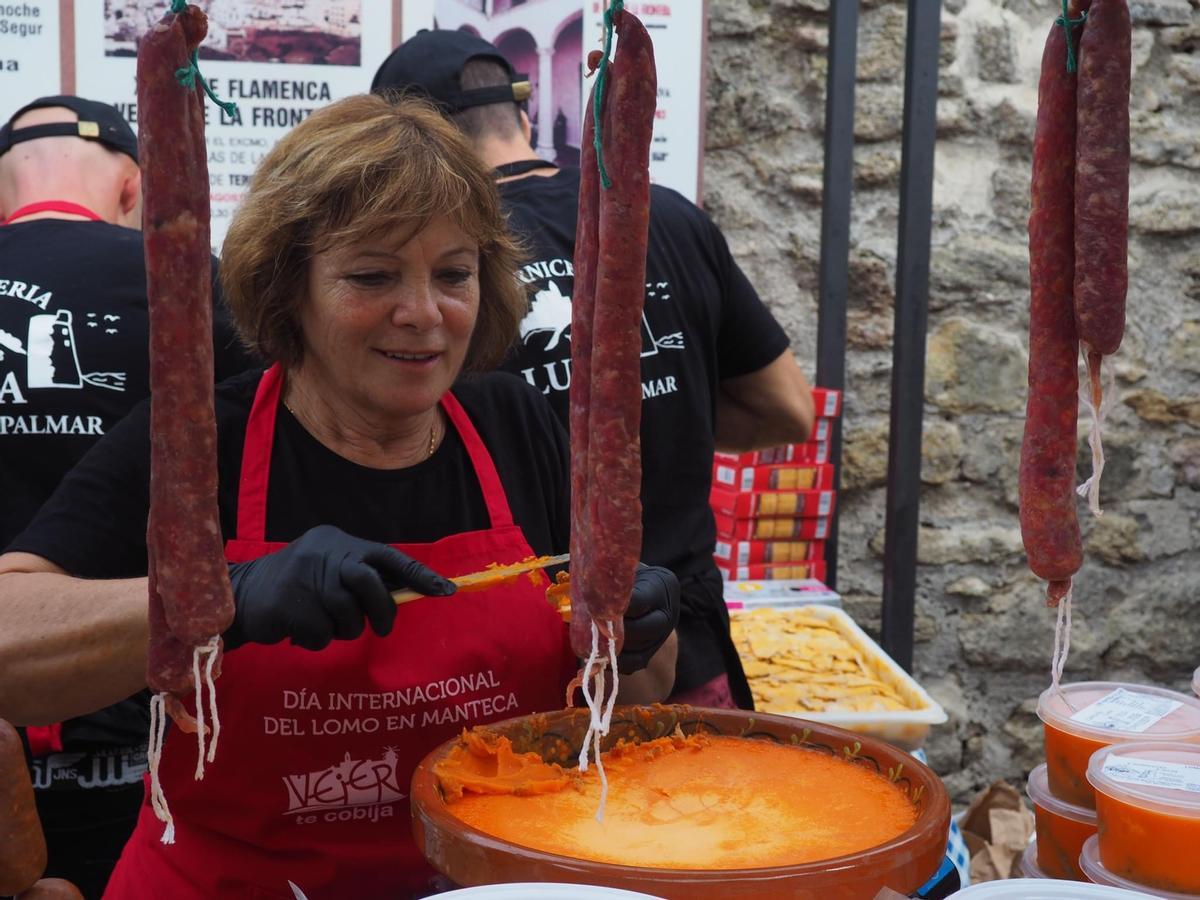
{"points": [[30, 64], [548, 40], [278, 60], [677, 30]]}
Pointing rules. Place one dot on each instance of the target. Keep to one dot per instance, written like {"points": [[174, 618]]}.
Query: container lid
{"points": [[1109, 711], [544, 891], [1045, 889], [1038, 788], [1089, 861], [1155, 775], [1029, 866]]}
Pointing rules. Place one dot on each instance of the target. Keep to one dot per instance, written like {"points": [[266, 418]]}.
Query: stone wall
{"points": [[983, 634]]}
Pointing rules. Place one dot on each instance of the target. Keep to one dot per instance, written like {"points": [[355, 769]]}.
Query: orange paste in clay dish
{"points": [[678, 802]]}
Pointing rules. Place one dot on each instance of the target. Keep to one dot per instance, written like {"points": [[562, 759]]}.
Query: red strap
{"points": [[256, 457], [260, 438], [44, 739], [63, 206], [485, 470]]}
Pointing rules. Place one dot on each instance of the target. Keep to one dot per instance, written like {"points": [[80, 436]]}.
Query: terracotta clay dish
{"points": [[671, 742]]}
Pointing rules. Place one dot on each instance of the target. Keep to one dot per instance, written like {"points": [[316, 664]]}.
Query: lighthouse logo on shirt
{"points": [[39, 351], [546, 328]]}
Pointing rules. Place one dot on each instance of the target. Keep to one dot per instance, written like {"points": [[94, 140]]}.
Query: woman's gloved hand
{"points": [[652, 615], [322, 586]]}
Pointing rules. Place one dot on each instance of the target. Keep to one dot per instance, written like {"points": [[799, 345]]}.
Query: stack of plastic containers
{"points": [[773, 506], [1118, 797]]}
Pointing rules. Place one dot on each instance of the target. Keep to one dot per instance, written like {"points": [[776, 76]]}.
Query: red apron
{"points": [[312, 772]]}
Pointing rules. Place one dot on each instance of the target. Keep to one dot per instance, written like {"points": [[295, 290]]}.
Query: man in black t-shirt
{"points": [[716, 366], [73, 362]]}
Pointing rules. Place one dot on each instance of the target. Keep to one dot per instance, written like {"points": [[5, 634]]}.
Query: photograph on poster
{"points": [[544, 41], [297, 32]]}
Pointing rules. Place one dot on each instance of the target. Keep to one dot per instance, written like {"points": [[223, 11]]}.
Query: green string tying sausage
{"points": [[187, 75], [598, 95], [1068, 23]]}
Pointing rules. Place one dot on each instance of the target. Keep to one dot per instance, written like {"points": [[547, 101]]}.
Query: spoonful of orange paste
{"points": [[694, 802]]}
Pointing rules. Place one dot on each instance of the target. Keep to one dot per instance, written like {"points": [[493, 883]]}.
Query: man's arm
{"points": [[771, 406], [652, 684], [68, 646]]}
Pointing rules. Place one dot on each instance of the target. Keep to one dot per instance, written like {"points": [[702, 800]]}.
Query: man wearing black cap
{"points": [[716, 366], [73, 361]]}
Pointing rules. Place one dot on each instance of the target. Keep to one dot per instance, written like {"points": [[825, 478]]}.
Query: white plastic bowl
{"points": [[1042, 889], [543, 891]]}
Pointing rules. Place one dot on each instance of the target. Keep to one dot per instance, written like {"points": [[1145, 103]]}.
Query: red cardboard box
{"points": [[785, 477], [747, 553], [734, 528], [828, 402], [772, 572], [784, 504], [812, 453]]}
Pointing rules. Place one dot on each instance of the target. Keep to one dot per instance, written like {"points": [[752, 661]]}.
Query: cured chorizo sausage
{"points": [[1102, 177], [614, 510], [1049, 524], [582, 311], [191, 576], [1101, 205], [22, 844]]}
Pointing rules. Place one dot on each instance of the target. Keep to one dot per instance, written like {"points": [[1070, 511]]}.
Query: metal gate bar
{"points": [[908, 349]]}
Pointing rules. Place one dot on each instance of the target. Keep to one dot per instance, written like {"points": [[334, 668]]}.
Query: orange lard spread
{"points": [[695, 802]]}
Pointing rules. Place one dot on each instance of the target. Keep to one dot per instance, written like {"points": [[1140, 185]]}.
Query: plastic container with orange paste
{"points": [[1091, 715], [1089, 861], [1061, 829], [1148, 804], [1028, 866]]}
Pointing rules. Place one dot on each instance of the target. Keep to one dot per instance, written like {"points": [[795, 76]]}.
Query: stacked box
{"points": [[773, 506]]}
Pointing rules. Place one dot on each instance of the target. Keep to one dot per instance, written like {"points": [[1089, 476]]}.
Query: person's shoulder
{"points": [[668, 201], [498, 390], [234, 396], [564, 182]]}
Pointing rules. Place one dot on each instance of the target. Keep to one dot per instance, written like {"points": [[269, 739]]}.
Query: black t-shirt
{"points": [[94, 526], [73, 351], [703, 323]]}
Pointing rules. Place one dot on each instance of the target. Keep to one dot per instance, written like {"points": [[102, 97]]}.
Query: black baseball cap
{"points": [[431, 63], [97, 122]]}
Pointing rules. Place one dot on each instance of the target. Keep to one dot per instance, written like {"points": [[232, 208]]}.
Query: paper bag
{"points": [[996, 827]]}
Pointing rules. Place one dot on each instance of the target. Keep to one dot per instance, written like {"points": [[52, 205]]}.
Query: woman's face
{"points": [[387, 321]]}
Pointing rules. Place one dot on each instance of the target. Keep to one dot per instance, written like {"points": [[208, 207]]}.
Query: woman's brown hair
{"points": [[358, 168]]}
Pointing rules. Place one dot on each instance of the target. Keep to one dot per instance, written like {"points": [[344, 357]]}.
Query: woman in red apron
{"points": [[371, 264]]}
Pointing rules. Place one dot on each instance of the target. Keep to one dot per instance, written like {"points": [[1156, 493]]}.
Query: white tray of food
{"points": [[814, 662]]}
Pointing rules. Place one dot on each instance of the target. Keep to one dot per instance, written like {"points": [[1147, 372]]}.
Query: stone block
{"points": [[972, 367], [995, 53], [1160, 12], [1114, 539], [878, 115], [1165, 212]]}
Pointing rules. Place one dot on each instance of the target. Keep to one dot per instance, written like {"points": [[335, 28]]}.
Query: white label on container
{"points": [[722, 550], [1124, 710], [725, 475], [822, 529], [824, 503], [1153, 773], [822, 431], [831, 400], [747, 479]]}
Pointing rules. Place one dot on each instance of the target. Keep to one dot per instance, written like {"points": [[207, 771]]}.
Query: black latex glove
{"points": [[652, 615], [322, 586]]}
